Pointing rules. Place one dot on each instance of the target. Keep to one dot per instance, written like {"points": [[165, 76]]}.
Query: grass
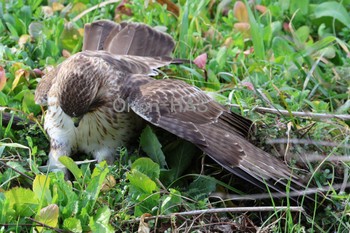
{"points": [[295, 57]]}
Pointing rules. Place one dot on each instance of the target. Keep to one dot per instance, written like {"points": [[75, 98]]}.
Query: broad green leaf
{"points": [[221, 57], [71, 166], [179, 155], [26, 16], [28, 103], [317, 46], [281, 48], [48, 216], [201, 187], [333, 9], [6, 213], [147, 167], [171, 202], [301, 7], [41, 185], [36, 29], [70, 37], [143, 190], [141, 182], [23, 201], [303, 33], [100, 222], [150, 144], [73, 225], [284, 4], [94, 187]]}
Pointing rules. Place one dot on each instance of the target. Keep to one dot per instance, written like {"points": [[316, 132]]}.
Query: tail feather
{"points": [[96, 33], [127, 39]]}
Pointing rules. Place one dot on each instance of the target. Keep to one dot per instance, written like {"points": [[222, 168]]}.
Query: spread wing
{"points": [[189, 113]]}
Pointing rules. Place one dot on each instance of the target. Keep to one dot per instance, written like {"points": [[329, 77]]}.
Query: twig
{"points": [[19, 172], [224, 210], [47, 226], [306, 142], [297, 114], [17, 122], [346, 176], [317, 157], [45, 168], [277, 195], [102, 4]]}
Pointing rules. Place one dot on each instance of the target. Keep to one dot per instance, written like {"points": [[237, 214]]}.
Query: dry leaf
{"points": [[201, 60], [19, 73], [120, 10], [2, 78], [228, 42], [48, 216], [108, 183], [249, 85], [37, 72], [65, 53], [23, 39], [261, 8], [56, 6], [242, 27], [47, 10], [240, 12], [143, 227], [170, 6]]}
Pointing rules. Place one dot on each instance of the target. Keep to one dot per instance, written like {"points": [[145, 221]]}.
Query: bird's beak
{"points": [[76, 120]]}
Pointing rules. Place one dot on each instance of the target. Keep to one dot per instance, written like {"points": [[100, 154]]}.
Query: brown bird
{"points": [[99, 99]]}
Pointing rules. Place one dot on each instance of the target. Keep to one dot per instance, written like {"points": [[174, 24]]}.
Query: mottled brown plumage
{"points": [[108, 88]]}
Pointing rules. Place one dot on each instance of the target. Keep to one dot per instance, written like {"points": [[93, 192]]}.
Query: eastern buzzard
{"points": [[99, 99]]}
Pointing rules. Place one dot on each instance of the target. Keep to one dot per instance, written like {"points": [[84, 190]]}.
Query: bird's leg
{"points": [[104, 154], [57, 150]]}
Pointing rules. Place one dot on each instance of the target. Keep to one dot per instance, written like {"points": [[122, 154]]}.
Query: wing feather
{"points": [[217, 131]]}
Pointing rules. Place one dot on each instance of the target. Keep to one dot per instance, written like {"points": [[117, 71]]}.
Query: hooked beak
{"points": [[76, 120]]}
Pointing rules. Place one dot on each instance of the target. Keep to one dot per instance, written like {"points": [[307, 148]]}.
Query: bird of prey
{"points": [[99, 99]]}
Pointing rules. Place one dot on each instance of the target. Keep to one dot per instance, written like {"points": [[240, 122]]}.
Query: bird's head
{"points": [[79, 89]]}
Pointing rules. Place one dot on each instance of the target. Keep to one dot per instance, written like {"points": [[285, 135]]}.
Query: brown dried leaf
{"points": [[19, 73], [56, 6], [143, 227], [240, 12], [228, 42], [201, 60], [23, 39], [170, 6], [108, 183], [47, 10], [48, 216], [2, 78], [65, 53], [122, 9], [261, 8], [248, 85], [242, 27]]}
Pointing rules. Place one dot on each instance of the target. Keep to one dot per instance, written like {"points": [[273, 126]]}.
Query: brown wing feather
{"points": [[214, 129], [127, 39]]}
